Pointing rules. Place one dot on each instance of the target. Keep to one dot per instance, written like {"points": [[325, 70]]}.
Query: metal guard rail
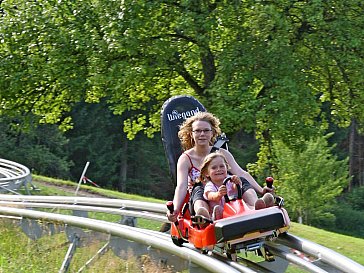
{"points": [[13, 175], [324, 254], [130, 233]]}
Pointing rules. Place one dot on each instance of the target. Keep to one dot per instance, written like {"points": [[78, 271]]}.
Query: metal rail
{"points": [[13, 176], [322, 254], [10, 170], [88, 201], [117, 211], [326, 259], [129, 233]]}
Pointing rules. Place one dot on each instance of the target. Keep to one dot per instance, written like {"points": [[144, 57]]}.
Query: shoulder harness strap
{"points": [[221, 142]]}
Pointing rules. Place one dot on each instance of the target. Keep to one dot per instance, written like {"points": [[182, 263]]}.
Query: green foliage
{"points": [[349, 216], [280, 70], [347, 220], [310, 180], [244, 147], [260, 66], [41, 147], [355, 198], [148, 172], [261, 169], [97, 138]]}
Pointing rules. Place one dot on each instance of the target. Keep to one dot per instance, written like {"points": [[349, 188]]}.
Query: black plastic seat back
{"points": [[174, 111]]}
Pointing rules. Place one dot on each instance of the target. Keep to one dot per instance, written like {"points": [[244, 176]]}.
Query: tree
{"points": [[96, 137], [42, 148], [310, 180], [265, 67], [137, 166]]}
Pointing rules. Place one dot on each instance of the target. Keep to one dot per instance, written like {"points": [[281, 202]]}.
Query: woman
{"points": [[197, 135]]}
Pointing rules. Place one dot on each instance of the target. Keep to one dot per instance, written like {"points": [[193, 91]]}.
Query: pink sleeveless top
{"points": [[193, 174]]}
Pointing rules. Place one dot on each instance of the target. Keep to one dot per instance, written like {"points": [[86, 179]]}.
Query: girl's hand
{"points": [[235, 179], [222, 191]]}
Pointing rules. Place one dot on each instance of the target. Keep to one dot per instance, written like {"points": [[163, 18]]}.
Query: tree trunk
{"points": [[351, 154], [124, 166], [356, 157], [360, 180]]}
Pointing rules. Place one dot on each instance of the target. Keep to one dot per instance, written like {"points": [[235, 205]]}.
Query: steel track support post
{"points": [[128, 220], [98, 254], [69, 255], [81, 178]]}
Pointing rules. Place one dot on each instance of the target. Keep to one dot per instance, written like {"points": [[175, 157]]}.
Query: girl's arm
{"points": [[235, 181], [216, 195], [237, 170]]}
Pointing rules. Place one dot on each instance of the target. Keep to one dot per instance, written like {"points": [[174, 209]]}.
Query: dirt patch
{"points": [[69, 189]]}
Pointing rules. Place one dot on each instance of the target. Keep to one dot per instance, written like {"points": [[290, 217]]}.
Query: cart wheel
{"points": [[177, 241], [268, 256], [232, 256], [204, 251]]}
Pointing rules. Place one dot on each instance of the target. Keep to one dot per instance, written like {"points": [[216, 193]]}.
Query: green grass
{"points": [[49, 191], [105, 192], [20, 254], [348, 246]]}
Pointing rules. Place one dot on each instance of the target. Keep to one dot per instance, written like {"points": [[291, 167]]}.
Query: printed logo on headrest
{"points": [[175, 115]]}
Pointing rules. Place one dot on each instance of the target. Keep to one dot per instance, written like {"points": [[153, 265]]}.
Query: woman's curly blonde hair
{"points": [[185, 131]]}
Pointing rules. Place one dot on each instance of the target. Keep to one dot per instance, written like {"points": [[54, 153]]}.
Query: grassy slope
{"points": [[345, 245], [350, 247]]}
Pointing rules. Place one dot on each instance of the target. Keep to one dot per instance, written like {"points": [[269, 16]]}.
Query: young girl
{"points": [[213, 173]]}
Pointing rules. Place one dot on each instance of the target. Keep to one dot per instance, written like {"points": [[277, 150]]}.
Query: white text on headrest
{"points": [[175, 115]]}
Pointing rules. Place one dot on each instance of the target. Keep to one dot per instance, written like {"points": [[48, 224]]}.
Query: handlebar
{"points": [[227, 199], [269, 181]]}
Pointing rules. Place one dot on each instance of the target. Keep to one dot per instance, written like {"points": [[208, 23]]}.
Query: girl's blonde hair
{"points": [[185, 131], [206, 163]]}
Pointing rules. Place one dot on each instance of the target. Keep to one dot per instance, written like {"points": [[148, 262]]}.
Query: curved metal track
{"points": [[13, 176], [325, 260], [129, 233]]}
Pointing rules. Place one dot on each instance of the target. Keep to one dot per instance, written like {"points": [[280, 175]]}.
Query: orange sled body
{"points": [[240, 228]]}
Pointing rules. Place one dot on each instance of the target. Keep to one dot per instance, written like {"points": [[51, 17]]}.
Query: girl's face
{"points": [[217, 169], [201, 132]]}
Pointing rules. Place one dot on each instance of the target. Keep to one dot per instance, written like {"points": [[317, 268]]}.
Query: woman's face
{"points": [[217, 169], [201, 132]]}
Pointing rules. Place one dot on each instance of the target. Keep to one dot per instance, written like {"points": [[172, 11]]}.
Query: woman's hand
{"points": [[172, 217], [266, 189]]}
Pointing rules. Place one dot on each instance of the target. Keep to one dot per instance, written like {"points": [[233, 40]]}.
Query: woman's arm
{"points": [[182, 182]]}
